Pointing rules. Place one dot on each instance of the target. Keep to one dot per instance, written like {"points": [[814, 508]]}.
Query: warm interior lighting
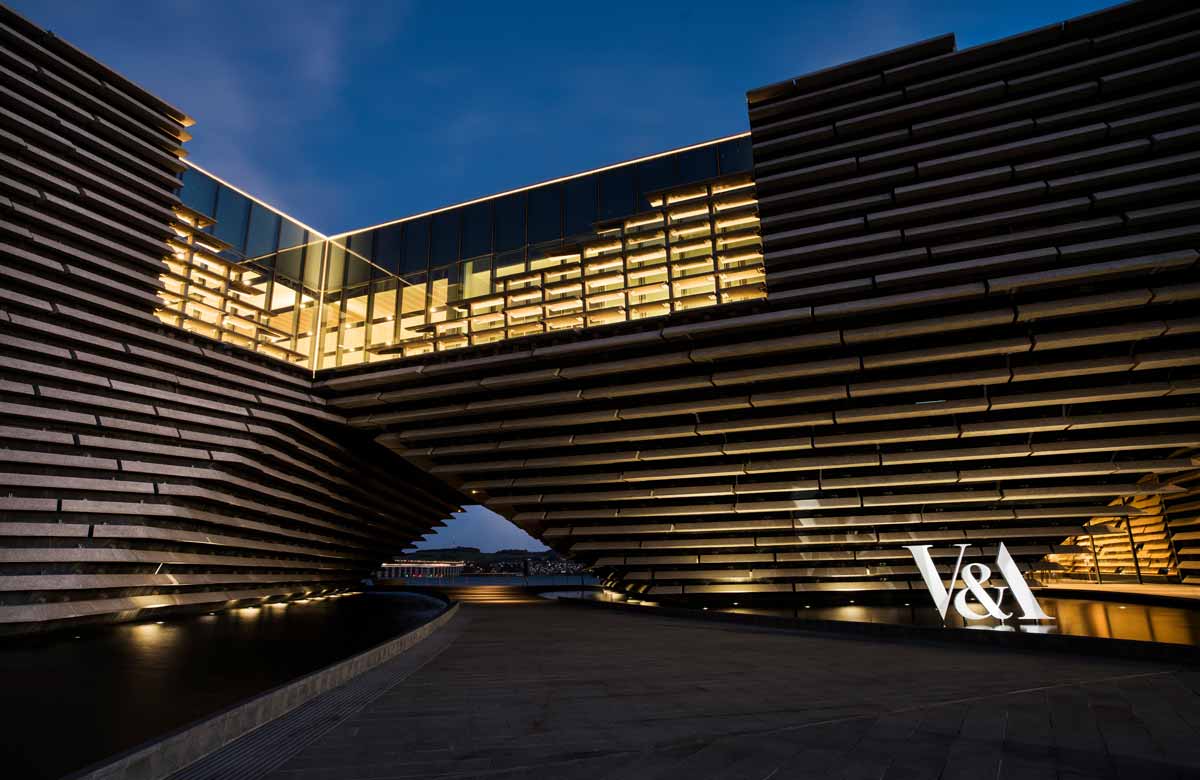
{"points": [[632, 268], [681, 214], [686, 194], [605, 265], [634, 224], [726, 224]]}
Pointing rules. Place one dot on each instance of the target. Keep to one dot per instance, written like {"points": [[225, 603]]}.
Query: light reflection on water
{"points": [[1074, 617], [84, 695]]}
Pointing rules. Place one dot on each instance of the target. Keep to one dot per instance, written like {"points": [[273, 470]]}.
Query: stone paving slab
{"points": [[547, 690]]}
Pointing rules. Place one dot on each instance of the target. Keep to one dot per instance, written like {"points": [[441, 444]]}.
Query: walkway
{"points": [[548, 690]]}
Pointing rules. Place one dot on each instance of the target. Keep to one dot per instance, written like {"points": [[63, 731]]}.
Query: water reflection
{"points": [[90, 694], [1075, 617]]}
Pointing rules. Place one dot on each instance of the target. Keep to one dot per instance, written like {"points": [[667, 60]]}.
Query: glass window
{"points": [[328, 340], [335, 271], [477, 277], [290, 234], [617, 198], [653, 175], [545, 214], [412, 294], [288, 263], [384, 300], [453, 276], [736, 156], [383, 315], [477, 230], [539, 252], [388, 247], [264, 230], [697, 164], [510, 263], [233, 212], [416, 246], [306, 320], [443, 238], [510, 222], [312, 265], [414, 299], [354, 324], [358, 271], [441, 293], [362, 244], [283, 302], [580, 209], [199, 192]]}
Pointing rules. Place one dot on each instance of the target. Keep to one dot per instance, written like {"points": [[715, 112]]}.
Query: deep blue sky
{"points": [[480, 527], [352, 113], [345, 114]]}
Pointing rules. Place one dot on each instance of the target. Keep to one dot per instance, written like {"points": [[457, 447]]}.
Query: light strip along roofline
{"points": [[527, 187], [257, 200]]}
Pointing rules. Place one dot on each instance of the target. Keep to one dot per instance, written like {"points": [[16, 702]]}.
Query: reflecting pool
{"points": [[1076, 617], [72, 699]]}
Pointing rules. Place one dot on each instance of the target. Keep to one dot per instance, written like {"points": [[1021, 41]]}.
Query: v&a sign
{"points": [[975, 580]]}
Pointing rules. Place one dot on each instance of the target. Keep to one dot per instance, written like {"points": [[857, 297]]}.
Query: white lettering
{"points": [[975, 577]]}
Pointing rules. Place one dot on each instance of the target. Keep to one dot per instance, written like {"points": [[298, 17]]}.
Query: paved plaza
{"points": [[526, 688]]}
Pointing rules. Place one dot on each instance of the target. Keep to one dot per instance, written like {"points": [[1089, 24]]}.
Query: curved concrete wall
{"points": [[982, 285], [142, 467]]}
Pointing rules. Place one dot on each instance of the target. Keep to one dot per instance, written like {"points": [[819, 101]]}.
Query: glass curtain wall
{"points": [[567, 254], [241, 272], [513, 265]]}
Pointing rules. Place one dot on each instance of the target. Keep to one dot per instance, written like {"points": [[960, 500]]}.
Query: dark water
{"points": [[69, 702], [1075, 617], [1174, 625]]}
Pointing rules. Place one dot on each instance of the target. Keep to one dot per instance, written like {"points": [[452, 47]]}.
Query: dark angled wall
{"points": [[142, 467], [1022, 216]]}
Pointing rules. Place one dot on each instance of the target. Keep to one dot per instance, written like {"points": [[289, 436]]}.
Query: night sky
{"points": [[346, 114], [481, 527]]}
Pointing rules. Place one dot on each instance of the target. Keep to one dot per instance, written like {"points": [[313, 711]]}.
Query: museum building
{"points": [[932, 297]]}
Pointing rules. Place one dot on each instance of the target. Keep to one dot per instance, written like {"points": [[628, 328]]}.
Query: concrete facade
{"points": [[146, 468], [981, 277], [980, 327]]}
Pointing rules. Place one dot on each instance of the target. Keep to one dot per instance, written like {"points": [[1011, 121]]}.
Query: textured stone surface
{"points": [[185, 472], [982, 273], [982, 276], [548, 690]]}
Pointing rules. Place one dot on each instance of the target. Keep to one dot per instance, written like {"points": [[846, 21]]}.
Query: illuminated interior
{"points": [[668, 233], [696, 246], [1120, 548], [249, 275], [236, 301]]}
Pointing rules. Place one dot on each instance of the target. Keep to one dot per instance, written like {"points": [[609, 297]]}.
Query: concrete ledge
{"points": [[169, 754], [1063, 643], [1178, 596]]}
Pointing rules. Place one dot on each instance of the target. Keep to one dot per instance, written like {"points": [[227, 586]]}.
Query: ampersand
{"points": [[974, 575]]}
